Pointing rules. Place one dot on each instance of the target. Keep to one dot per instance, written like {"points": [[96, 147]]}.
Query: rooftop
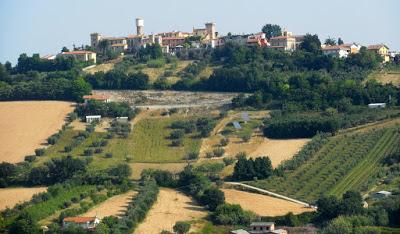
{"points": [[79, 219], [79, 52], [377, 47], [261, 224]]}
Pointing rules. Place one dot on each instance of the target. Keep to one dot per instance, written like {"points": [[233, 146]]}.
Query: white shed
{"points": [[91, 118], [122, 119], [376, 105]]}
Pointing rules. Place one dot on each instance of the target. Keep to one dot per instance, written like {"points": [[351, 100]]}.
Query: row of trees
{"points": [[110, 109]]}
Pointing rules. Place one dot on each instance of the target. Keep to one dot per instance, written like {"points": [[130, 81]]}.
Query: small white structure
{"points": [[335, 51], [83, 222], [92, 118], [122, 119], [239, 231], [381, 194], [100, 98], [376, 105]]}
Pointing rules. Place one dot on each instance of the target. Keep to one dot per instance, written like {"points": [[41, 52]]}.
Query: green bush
{"points": [[88, 152], [218, 152], [232, 214], [30, 158], [40, 152]]}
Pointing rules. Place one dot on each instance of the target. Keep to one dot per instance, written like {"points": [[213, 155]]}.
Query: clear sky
{"points": [[45, 26]]}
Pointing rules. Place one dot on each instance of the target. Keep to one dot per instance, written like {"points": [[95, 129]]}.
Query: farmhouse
{"points": [[376, 105], [260, 228], [101, 98], [92, 118], [381, 50], [83, 222]]}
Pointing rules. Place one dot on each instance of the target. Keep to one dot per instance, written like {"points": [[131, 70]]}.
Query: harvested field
{"points": [[101, 127], [137, 168], [387, 77], [171, 206], [25, 126], [168, 99], [279, 150], [261, 204], [9, 197], [115, 206]]}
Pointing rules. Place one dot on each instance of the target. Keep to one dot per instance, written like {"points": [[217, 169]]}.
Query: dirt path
{"points": [[25, 126], [171, 206], [113, 206], [9, 197]]}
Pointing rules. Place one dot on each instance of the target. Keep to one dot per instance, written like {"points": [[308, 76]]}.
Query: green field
{"points": [[346, 162], [149, 142]]}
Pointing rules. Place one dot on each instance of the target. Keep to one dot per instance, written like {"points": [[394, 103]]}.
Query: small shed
{"points": [[122, 119], [83, 222], [376, 105], [92, 118]]}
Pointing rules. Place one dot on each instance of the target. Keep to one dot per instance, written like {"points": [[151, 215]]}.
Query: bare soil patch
{"points": [[261, 204], [115, 206], [171, 206], [9, 197], [137, 168], [25, 126]]}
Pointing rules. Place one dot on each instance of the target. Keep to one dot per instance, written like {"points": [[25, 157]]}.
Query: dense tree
{"points": [[64, 49], [340, 41], [330, 41], [181, 227], [248, 169], [228, 214], [213, 197], [311, 43], [271, 30]]}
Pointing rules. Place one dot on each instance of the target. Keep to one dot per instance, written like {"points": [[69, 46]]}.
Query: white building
{"points": [[376, 105], [92, 118], [83, 222], [336, 51]]}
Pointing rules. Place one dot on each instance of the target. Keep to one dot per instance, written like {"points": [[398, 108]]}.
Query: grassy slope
{"points": [[386, 76], [345, 162], [149, 142]]}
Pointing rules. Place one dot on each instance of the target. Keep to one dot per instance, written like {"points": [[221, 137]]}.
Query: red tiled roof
{"points": [[336, 47], [79, 52], [96, 97], [173, 38], [79, 219]]}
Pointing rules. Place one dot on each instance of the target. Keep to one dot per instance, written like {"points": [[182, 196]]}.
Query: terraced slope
{"points": [[345, 162]]}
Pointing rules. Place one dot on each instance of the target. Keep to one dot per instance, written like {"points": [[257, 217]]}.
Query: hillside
{"points": [[347, 161]]}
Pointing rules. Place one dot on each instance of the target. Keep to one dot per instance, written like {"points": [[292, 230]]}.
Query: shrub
{"points": [[177, 134], [209, 154], [88, 152], [40, 152], [95, 144], [192, 156], [232, 214], [213, 197], [30, 158], [224, 142], [219, 152], [103, 143], [98, 151], [68, 148], [181, 227], [246, 137], [228, 161], [110, 135], [109, 155], [177, 142], [53, 139], [128, 158], [74, 200]]}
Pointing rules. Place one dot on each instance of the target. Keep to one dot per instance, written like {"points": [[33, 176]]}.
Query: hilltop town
{"points": [[207, 37]]}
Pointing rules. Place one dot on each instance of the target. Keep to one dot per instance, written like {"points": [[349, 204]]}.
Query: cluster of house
{"points": [[208, 37], [260, 228]]}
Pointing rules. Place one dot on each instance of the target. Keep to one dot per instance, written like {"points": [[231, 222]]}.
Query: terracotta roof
{"points": [[376, 47], [79, 52], [96, 97], [337, 47], [79, 219], [173, 38]]}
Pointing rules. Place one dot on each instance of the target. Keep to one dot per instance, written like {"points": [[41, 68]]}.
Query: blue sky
{"points": [[45, 26]]}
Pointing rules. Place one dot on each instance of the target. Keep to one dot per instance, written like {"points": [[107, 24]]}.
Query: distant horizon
{"points": [[45, 26]]}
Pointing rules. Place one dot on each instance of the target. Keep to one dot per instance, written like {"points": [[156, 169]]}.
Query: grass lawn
{"points": [[247, 128], [149, 142]]}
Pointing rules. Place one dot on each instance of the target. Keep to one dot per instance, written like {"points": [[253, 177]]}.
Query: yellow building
{"points": [[382, 50], [81, 55]]}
